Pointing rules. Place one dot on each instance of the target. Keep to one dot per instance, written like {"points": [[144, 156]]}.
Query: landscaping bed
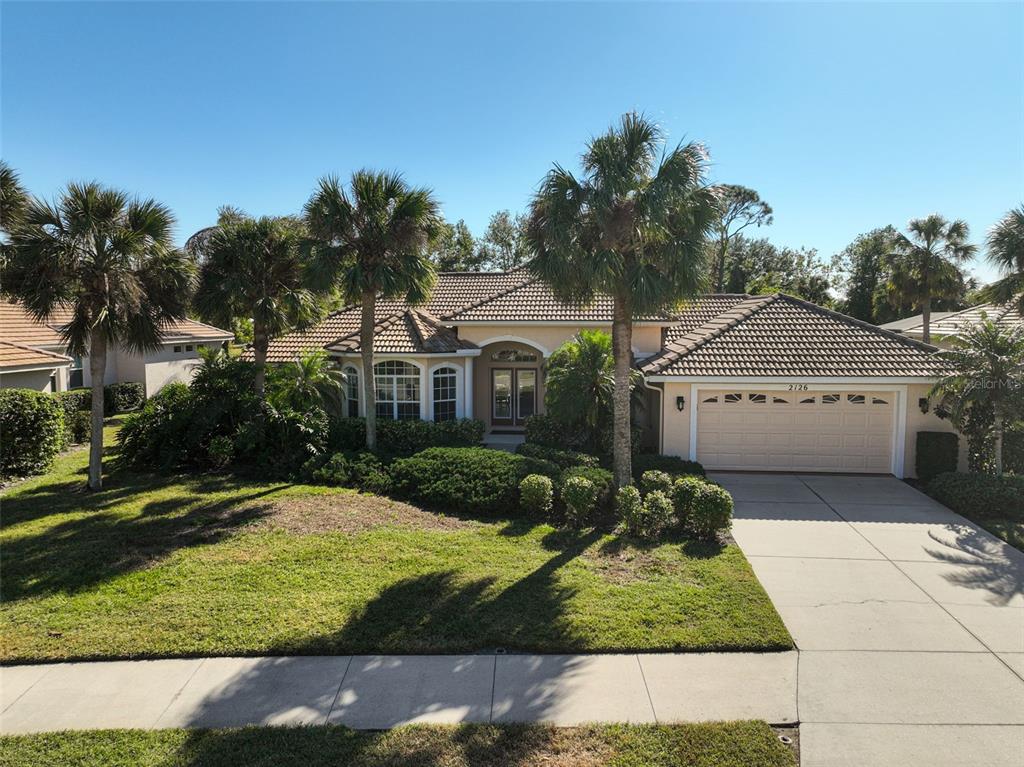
{"points": [[994, 503], [209, 564], [726, 744]]}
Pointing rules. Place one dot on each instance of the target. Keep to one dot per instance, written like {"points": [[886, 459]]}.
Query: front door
{"points": [[513, 395]]}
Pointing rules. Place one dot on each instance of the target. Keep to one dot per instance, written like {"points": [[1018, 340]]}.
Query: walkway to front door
{"points": [[909, 619]]}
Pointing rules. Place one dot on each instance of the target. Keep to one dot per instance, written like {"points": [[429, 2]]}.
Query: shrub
{"points": [[657, 514], [937, 453], [672, 465], [979, 495], [31, 431], [536, 495], [335, 471], [684, 491], [221, 451], [580, 496], [123, 397], [629, 508], [549, 431], [602, 480], [78, 426], [710, 511], [656, 481], [1013, 450], [564, 459], [404, 438], [466, 479], [279, 443], [159, 434], [74, 401]]}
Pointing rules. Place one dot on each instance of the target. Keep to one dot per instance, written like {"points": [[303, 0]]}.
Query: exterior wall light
{"points": [[923, 404], [680, 403]]}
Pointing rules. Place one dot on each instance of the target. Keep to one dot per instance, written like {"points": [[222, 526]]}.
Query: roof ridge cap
{"points": [[487, 299]]}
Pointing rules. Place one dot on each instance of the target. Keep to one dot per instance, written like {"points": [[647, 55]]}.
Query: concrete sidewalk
{"points": [[376, 692]]}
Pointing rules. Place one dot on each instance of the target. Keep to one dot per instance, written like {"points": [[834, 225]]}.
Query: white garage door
{"points": [[795, 431]]}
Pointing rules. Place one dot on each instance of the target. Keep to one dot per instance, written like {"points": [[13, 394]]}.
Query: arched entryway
{"points": [[508, 384]]}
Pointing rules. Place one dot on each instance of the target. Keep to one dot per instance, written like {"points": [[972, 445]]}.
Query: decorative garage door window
{"points": [[444, 380], [398, 390]]}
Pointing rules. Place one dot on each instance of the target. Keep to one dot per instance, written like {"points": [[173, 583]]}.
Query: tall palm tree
{"points": [[111, 260], [634, 227], [925, 265], [13, 198], [986, 370], [1005, 246], [372, 241], [255, 268]]}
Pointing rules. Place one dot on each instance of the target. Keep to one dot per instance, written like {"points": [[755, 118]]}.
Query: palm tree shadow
{"points": [[983, 562]]}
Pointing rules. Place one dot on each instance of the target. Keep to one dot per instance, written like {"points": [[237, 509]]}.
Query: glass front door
{"points": [[513, 395]]}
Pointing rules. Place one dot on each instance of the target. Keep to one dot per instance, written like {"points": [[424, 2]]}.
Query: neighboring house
{"points": [[765, 383], [945, 326], [53, 370]]}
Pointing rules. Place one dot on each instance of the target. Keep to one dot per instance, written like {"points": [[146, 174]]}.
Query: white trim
{"points": [[35, 368], [467, 372], [469, 352], [768, 381], [377, 359], [899, 437], [360, 389], [693, 421], [514, 339]]}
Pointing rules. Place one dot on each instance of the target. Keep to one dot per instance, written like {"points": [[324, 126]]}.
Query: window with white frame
{"points": [[351, 376], [76, 379], [444, 386], [397, 385]]}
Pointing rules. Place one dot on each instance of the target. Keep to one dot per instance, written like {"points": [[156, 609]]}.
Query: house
{"points": [[945, 326], [34, 356], [762, 383]]}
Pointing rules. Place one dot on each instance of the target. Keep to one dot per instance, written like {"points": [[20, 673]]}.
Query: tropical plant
{"points": [[1005, 250], [986, 373], [109, 259], [581, 383], [254, 268], [925, 265], [739, 207], [632, 227], [371, 241], [312, 380], [13, 198]]}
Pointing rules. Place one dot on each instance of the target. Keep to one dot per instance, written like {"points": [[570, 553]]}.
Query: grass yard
{"points": [[727, 744], [213, 565]]}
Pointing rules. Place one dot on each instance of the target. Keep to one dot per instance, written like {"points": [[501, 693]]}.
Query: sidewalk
{"points": [[376, 692]]}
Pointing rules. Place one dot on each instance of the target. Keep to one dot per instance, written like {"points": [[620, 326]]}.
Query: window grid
{"points": [[351, 392], [397, 385], [444, 380]]}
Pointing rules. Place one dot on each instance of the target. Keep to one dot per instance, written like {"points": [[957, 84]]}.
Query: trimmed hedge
{"points": [[672, 465], [31, 431], [405, 438], [710, 512], [979, 495], [563, 458], [78, 427], [466, 479], [123, 397], [580, 496], [602, 479], [937, 453]]}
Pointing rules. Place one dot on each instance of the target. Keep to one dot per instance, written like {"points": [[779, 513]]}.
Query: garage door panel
{"points": [[816, 431]]}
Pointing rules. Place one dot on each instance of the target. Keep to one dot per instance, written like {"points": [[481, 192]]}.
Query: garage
{"points": [[842, 431]]}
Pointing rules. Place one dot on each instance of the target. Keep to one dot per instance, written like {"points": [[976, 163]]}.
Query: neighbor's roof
{"points": [[780, 335], [18, 325], [1005, 316], [13, 355], [898, 326]]}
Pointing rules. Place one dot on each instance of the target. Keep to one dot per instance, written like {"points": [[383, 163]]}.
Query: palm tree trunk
{"points": [[97, 370], [622, 351], [926, 319], [366, 344], [260, 344], [998, 429]]}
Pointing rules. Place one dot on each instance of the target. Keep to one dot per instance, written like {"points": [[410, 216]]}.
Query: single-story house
{"points": [[33, 354], [761, 383], [946, 326]]}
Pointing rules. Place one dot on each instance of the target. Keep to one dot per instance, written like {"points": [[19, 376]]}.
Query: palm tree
{"points": [[13, 198], [986, 370], [634, 227], [372, 241], [925, 265], [111, 260], [254, 268], [1005, 245], [310, 381]]}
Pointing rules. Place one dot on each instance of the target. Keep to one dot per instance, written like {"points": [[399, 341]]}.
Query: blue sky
{"points": [[844, 116]]}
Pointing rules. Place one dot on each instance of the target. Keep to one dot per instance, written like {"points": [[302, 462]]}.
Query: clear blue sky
{"points": [[844, 117]]}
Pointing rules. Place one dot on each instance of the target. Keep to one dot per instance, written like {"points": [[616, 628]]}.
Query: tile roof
{"points": [[13, 355], [1005, 316], [408, 332], [780, 335]]}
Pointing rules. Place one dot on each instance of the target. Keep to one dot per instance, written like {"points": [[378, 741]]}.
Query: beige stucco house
{"points": [[34, 356], [760, 383]]}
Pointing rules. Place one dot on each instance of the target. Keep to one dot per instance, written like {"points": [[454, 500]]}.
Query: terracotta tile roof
{"points": [[780, 335], [1005, 316], [695, 313], [408, 332], [13, 355]]}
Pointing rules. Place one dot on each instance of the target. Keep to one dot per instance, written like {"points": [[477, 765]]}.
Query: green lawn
{"points": [[728, 744], [215, 565]]}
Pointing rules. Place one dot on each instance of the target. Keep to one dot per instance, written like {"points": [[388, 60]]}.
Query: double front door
{"points": [[513, 395]]}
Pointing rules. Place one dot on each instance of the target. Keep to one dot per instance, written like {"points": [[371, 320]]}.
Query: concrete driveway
{"points": [[909, 620]]}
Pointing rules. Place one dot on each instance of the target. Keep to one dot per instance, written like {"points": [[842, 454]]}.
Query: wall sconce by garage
{"points": [[923, 404], [680, 403]]}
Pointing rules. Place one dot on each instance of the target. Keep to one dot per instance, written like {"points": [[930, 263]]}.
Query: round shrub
{"points": [[602, 480], [629, 507], [657, 515], [335, 471], [579, 495], [710, 512], [536, 495], [684, 491], [672, 465], [655, 481], [31, 431]]}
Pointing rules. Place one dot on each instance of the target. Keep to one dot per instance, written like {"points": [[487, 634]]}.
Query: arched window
{"points": [[444, 385], [397, 385], [351, 392]]}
